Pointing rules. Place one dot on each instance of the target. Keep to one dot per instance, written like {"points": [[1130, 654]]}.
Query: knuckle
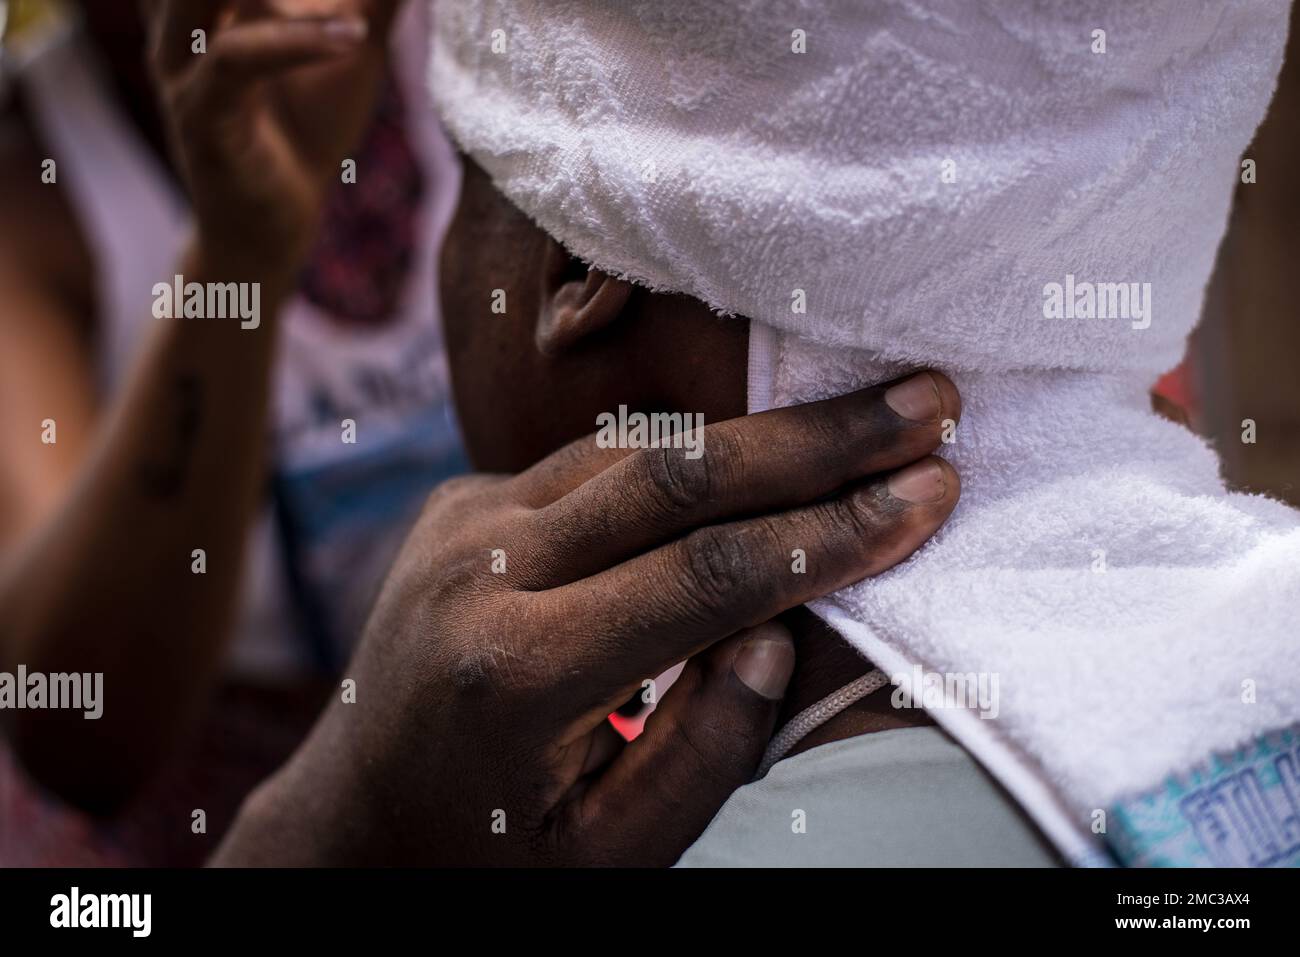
{"points": [[843, 535], [490, 673], [565, 535], [675, 482], [456, 490], [726, 450], [718, 566], [460, 485], [869, 530], [861, 516]]}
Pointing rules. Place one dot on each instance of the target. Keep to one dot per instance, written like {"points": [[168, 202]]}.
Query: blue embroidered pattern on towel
{"points": [[1237, 810]]}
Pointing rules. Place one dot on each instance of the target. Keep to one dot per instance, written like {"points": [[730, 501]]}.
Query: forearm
{"points": [[109, 584]]}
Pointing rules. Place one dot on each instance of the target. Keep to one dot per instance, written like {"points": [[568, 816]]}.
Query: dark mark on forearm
{"points": [[164, 476]]}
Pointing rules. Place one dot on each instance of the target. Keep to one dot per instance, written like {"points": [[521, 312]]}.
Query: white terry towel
{"points": [[886, 185]]}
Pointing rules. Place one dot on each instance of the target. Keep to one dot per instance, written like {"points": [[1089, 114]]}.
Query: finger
{"points": [[705, 740], [241, 55], [759, 463], [605, 745], [669, 603], [172, 26], [564, 470], [846, 418]]}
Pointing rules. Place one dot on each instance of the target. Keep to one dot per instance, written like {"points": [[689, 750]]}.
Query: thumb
{"points": [[704, 740]]}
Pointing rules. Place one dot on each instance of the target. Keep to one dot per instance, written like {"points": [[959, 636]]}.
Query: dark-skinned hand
{"points": [[479, 734]]}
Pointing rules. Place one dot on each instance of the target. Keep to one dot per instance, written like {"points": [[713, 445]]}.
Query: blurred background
{"points": [[1243, 360]]}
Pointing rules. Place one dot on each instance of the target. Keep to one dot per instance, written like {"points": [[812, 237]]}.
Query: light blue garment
{"points": [[909, 797]]}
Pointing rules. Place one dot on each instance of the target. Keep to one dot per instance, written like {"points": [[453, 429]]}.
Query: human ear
{"points": [[577, 300]]}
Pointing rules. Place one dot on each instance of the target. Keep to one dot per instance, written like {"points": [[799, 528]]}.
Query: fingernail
{"points": [[347, 28], [766, 661], [919, 483], [916, 399]]}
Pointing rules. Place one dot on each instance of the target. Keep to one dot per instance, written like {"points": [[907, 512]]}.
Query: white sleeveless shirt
{"points": [[348, 505]]}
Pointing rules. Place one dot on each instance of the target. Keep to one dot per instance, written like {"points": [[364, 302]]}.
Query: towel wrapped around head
{"points": [[1028, 197]]}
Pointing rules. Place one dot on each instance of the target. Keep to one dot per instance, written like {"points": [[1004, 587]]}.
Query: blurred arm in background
{"points": [[97, 529]]}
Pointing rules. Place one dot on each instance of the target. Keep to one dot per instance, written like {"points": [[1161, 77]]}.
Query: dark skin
{"points": [[665, 352], [483, 693], [475, 691]]}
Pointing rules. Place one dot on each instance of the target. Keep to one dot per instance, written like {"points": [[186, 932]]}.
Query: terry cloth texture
{"points": [[1029, 197]]}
